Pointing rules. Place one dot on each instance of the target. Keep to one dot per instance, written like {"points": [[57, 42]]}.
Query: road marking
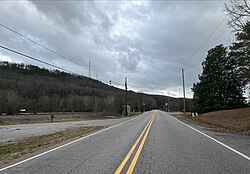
{"points": [[64, 145], [119, 169], [228, 147], [135, 159]]}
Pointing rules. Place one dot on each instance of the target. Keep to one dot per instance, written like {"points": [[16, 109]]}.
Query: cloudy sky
{"points": [[146, 41]]}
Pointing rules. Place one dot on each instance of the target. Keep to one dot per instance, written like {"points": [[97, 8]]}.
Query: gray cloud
{"points": [[146, 41]]}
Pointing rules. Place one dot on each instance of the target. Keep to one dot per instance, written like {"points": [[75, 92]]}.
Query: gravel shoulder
{"points": [[13, 133]]}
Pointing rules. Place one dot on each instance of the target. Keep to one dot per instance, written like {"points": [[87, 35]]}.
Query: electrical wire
{"points": [[38, 60], [212, 42], [196, 51], [58, 54], [30, 57], [54, 52]]}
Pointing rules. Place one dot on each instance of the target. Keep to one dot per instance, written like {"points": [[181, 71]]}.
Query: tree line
{"points": [[41, 90]]}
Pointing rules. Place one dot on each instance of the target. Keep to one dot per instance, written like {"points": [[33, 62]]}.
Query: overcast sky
{"points": [[148, 42]]}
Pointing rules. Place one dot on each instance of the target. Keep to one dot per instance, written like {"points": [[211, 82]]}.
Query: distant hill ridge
{"points": [[41, 90]]}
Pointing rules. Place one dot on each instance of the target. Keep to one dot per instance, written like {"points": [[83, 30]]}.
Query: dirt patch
{"points": [[235, 120], [26, 146]]}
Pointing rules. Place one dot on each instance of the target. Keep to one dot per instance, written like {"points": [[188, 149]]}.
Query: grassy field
{"points": [[26, 146], [235, 120]]}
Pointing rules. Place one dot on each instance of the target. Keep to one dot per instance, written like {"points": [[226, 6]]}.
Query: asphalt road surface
{"points": [[153, 142]]}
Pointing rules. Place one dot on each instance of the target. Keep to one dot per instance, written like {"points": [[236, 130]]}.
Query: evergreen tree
{"points": [[240, 52], [219, 86]]}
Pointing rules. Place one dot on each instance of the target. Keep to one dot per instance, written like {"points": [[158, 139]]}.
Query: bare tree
{"points": [[12, 100], [238, 13], [110, 103]]}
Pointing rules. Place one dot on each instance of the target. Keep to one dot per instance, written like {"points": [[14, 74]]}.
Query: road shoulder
{"points": [[237, 141]]}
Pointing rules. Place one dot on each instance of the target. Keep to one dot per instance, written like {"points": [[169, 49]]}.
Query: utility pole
{"points": [[184, 99], [89, 70], [168, 105], [126, 97], [96, 76]]}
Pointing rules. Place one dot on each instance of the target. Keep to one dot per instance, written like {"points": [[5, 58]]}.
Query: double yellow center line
{"points": [[133, 163]]}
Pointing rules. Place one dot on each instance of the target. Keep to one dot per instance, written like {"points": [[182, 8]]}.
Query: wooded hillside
{"points": [[42, 90]]}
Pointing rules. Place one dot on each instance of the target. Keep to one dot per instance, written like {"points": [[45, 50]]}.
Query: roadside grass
{"points": [[47, 121], [235, 120], [48, 113], [67, 119], [26, 146]]}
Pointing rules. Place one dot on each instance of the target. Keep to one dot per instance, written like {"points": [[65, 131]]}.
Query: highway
{"points": [[153, 142]]}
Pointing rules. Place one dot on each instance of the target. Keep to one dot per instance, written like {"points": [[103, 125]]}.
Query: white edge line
{"points": [[230, 148], [51, 150]]}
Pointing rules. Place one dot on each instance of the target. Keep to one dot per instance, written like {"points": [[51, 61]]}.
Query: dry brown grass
{"points": [[235, 120]]}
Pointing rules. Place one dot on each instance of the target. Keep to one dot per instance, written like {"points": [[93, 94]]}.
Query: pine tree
{"points": [[240, 52], [219, 86]]}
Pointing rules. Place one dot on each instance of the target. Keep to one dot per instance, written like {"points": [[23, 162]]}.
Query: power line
{"points": [[219, 36], [38, 60], [31, 40], [117, 83], [196, 51], [30, 57], [212, 42], [52, 51]]}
